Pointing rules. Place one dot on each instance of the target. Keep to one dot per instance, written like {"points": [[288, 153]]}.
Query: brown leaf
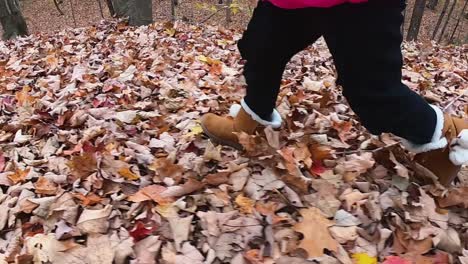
{"points": [[89, 199], [44, 186], [403, 243], [245, 204], [83, 166], [128, 174], [151, 192], [216, 179], [455, 197], [400, 169], [166, 168], [314, 226], [19, 175], [188, 187]]}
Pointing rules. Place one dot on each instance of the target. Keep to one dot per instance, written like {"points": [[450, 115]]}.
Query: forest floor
{"points": [[42, 16], [103, 159]]}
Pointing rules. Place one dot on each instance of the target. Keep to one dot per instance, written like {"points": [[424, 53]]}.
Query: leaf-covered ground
{"points": [[103, 159]]}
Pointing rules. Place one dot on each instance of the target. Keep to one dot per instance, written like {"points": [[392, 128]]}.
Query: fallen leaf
{"points": [[151, 192], [317, 237], [44, 186], [18, 176], [180, 229], [455, 197], [188, 187], [94, 221], [245, 204], [212, 152], [140, 231], [83, 166], [395, 260], [363, 258], [128, 174], [401, 170], [147, 249], [216, 179], [89, 199]]}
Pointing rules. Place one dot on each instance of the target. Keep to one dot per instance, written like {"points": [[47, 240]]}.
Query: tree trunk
{"points": [[458, 21], [441, 17], [121, 7], [173, 10], [432, 4], [110, 5], [447, 21], [416, 18], [228, 12], [12, 19], [141, 13]]}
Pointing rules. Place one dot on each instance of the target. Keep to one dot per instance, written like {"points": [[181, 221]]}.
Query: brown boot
{"points": [[448, 150], [242, 119]]}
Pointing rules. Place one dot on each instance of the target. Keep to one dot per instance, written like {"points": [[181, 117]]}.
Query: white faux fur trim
{"points": [[459, 149], [275, 122], [276, 119], [437, 142], [234, 110]]}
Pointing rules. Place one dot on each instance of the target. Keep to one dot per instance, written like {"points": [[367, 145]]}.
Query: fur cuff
{"points": [[459, 149], [275, 122], [437, 142]]}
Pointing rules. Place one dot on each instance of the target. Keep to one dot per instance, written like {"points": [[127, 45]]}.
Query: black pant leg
{"points": [[273, 36], [365, 42]]}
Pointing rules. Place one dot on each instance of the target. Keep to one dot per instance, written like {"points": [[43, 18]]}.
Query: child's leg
{"points": [[365, 42], [273, 36]]}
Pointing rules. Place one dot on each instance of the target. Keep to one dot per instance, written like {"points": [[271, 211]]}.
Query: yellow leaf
{"points": [[363, 258], [128, 174], [245, 204], [194, 131], [170, 31]]}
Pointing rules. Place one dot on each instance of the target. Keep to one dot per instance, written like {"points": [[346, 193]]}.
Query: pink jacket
{"points": [[293, 4]]}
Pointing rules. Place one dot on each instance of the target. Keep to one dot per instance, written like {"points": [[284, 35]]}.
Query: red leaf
{"points": [[140, 231], [395, 260], [317, 167]]}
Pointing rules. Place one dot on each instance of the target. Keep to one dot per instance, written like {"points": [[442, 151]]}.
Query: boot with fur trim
{"points": [[241, 119], [448, 150]]}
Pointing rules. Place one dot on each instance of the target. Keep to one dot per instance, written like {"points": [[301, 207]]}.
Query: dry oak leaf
{"points": [[455, 197], [216, 179], [314, 226], [403, 243], [94, 221], [245, 204], [166, 168], [190, 186], [89, 199], [151, 192], [82, 166], [44, 186], [19, 175], [128, 174]]}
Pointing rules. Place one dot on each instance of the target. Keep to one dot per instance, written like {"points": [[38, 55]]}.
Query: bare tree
{"points": [[458, 21], [12, 19], [447, 21], [228, 12], [441, 17], [432, 4], [139, 12], [416, 17]]}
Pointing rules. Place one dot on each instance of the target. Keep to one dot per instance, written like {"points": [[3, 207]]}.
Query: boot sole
{"points": [[221, 141]]}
